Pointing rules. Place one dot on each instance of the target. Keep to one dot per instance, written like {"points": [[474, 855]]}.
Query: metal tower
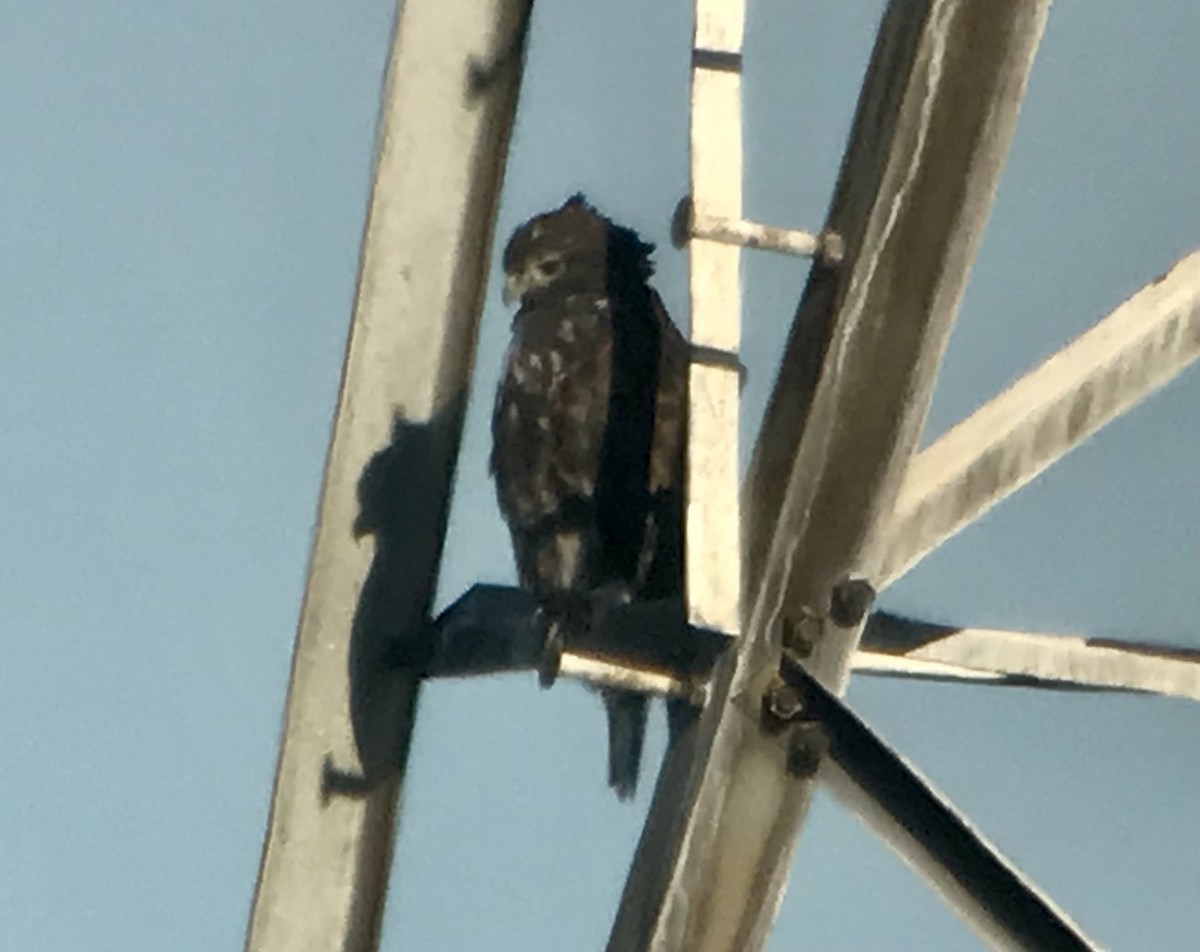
{"points": [[838, 503]]}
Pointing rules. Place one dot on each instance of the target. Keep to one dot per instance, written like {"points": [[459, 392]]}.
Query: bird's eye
{"points": [[550, 267]]}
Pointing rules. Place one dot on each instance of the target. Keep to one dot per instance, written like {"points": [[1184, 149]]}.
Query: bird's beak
{"points": [[514, 287]]}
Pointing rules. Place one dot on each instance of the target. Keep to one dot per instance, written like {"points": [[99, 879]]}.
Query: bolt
{"points": [[782, 704], [850, 601], [681, 222], [807, 744], [796, 635], [831, 249]]}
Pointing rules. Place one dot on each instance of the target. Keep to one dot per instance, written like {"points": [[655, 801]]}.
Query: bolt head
{"points": [[782, 703], [850, 601], [807, 745], [681, 223], [796, 636]]}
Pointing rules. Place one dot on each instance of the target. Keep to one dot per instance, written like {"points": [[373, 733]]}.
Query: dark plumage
{"points": [[588, 434]]}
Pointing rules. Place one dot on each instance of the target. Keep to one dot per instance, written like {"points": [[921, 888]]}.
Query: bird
{"points": [[589, 432]]}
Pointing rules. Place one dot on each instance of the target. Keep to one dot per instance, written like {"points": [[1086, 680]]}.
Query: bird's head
{"points": [[572, 245]]}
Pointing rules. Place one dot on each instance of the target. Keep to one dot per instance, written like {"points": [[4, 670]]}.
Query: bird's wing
{"points": [[667, 459], [551, 408], [660, 565]]}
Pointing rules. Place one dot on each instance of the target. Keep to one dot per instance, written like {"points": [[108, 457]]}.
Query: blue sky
{"points": [[182, 189]]}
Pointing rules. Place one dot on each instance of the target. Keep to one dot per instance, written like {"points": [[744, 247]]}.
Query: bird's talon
{"points": [[552, 654]]}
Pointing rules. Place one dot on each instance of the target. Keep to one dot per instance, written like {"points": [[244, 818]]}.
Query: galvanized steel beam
{"points": [[714, 576], [932, 131], [903, 647], [448, 106], [1141, 346]]}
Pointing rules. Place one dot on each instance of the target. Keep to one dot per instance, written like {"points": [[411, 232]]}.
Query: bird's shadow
{"points": [[402, 496], [483, 75]]}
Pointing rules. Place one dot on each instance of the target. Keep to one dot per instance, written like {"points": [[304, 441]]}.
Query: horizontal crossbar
{"points": [[689, 223]]}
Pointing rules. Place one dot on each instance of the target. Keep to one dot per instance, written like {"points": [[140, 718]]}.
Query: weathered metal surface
{"points": [[934, 123], [713, 535], [688, 224], [642, 645], [492, 629], [892, 645], [448, 105], [1141, 346]]}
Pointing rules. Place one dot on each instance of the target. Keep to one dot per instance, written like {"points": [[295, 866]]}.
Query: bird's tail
{"points": [[626, 731]]}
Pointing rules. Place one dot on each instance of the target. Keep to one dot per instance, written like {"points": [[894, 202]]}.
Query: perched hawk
{"points": [[588, 435]]}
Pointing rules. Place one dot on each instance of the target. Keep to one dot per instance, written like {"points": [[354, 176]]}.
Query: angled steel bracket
{"points": [[646, 646]]}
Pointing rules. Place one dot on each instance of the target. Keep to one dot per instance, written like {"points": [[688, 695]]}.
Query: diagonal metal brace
{"points": [[930, 834]]}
